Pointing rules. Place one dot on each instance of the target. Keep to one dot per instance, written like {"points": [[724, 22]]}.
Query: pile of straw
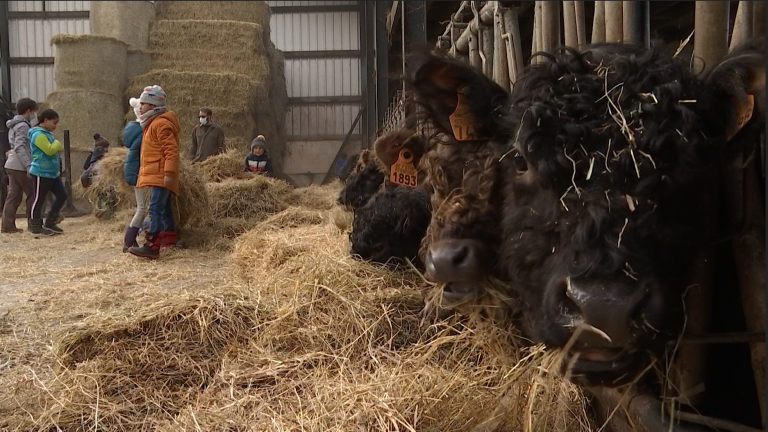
{"points": [[191, 207], [256, 197], [223, 166], [304, 338]]}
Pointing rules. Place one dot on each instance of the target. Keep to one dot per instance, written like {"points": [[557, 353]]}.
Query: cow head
{"points": [[614, 195], [363, 182], [467, 112]]}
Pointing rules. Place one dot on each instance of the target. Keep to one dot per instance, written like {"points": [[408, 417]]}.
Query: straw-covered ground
{"points": [[262, 323]]}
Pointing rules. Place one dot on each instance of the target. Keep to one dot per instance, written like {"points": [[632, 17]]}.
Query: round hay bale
{"points": [[86, 112], [89, 62], [256, 12], [139, 63], [176, 46], [127, 21]]}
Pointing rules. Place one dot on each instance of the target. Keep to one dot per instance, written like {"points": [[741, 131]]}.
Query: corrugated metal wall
{"points": [[321, 43], [31, 26]]}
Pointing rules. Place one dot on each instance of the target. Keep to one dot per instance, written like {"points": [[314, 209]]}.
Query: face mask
{"points": [[203, 121], [33, 119]]}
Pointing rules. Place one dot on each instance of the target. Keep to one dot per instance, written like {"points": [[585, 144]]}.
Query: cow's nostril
{"points": [[460, 256], [452, 261]]}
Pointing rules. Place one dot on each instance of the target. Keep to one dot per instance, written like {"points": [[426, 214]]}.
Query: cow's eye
{"points": [[520, 164]]}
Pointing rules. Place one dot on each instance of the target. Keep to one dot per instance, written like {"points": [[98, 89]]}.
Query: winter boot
{"points": [[51, 224], [130, 238], [167, 238], [151, 248]]}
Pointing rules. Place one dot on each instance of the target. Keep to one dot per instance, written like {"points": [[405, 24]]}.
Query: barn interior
{"points": [[263, 320]]}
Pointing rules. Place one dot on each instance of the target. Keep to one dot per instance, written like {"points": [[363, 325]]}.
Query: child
{"points": [[18, 163], [100, 147], [45, 173], [258, 160], [132, 140], [158, 169]]}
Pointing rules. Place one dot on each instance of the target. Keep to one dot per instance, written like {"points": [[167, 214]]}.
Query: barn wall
{"points": [[321, 44], [31, 25]]}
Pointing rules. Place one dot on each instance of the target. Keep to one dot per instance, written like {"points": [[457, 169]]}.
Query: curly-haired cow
{"points": [[600, 190]]}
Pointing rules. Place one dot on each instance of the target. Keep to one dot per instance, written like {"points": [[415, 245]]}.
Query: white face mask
{"points": [[203, 121], [33, 119]]}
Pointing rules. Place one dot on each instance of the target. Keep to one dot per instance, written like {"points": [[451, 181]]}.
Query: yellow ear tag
{"points": [[462, 120], [402, 172], [744, 114]]}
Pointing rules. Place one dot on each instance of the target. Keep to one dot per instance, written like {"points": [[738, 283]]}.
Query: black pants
{"points": [[40, 188]]}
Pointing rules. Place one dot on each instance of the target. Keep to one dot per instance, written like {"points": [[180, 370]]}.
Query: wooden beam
{"points": [[310, 9], [324, 100], [321, 54], [52, 15], [5, 52]]}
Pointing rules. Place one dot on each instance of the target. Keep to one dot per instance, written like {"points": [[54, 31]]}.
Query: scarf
{"points": [[150, 115]]}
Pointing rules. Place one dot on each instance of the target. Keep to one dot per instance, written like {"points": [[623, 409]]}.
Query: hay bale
{"points": [[254, 198], [256, 12], [315, 197], [85, 112], [197, 89], [139, 62], [89, 62], [176, 45], [127, 21]]}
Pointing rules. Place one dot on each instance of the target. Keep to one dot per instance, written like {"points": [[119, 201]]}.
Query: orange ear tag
{"points": [[462, 120], [402, 172], [744, 114]]}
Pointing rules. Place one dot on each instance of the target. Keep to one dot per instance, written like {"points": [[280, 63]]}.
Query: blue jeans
{"points": [[160, 214]]}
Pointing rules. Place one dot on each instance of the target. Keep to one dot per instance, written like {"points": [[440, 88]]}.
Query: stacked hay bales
{"points": [[90, 77], [218, 54]]}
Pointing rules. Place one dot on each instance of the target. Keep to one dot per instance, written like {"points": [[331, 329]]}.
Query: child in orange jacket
{"points": [[159, 169]]}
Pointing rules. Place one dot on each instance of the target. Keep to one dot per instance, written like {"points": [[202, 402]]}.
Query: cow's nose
{"points": [[454, 260], [616, 310]]}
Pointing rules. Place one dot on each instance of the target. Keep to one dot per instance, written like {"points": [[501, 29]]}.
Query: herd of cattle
{"points": [[588, 191]]}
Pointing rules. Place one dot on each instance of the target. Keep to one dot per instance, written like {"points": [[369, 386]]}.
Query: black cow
{"points": [[365, 180], [604, 194]]}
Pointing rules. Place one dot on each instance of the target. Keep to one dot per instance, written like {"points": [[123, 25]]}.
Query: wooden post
{"points": [[515, 48], [581, 30], [710, 42], [536, 45], [550, 28], [474, 52], [742, 28], [614, 21], [569, 24], [632, 12], [598, 23], [486, 48], [500, 60]]}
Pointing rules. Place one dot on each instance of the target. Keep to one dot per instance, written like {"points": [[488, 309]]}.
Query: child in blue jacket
{"points": [[45, 173], [132, 140]]}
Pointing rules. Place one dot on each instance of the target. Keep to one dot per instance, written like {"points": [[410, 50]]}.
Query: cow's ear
{"points": [[738, 84], [389, 146], [459, 99]]}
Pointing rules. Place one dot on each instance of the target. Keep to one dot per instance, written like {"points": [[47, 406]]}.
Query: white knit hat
{"points": [[154, 95], [136, 105]]}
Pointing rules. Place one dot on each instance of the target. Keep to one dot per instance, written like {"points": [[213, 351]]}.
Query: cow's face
{"points": [[462, 169], [613, 199], [363, 182]]}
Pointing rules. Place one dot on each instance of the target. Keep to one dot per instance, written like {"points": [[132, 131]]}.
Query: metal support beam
{"points": [[5, 52], [382, 62], [710, 43], [370, 67], [633, 22], [414, 25], [364, 72]]}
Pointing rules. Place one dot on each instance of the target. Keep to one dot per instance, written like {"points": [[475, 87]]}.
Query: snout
{"points": [[454, 260], [616, 320]]}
